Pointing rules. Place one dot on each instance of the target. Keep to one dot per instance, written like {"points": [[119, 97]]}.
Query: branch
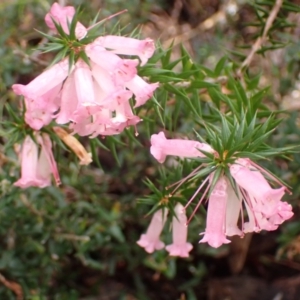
{"points": [[13, 286], [258, 43]]}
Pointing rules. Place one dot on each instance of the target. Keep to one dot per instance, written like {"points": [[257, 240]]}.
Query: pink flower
{"points": [[64, 16], [179, 247], [254, 182], [36, 169], [161, 147], [42, 95], [121, 70], [150, 241], [227, 204], [44, 83], [264, 206], [214, 233], [141, 89], [93, 97], [144, 49]]}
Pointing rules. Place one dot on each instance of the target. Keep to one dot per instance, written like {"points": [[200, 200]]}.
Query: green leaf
{"points": [[94, 153], [72, 27], [71, 61], [60, 29], [85, 58], [200, 84], [59, 56], [220, 66]]}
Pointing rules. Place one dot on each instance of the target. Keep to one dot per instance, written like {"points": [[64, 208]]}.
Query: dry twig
{"points": [[13, 286], [30, 206], [260, 40]]}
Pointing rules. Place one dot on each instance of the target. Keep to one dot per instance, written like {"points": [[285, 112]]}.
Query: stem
{"points": [[260, 40]]}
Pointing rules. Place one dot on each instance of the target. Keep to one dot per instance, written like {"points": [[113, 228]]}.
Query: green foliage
{"points": [[92, 222]]}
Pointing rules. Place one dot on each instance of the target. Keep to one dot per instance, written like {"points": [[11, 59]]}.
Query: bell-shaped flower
{"points": [[40, 112], [44, 83], [180, 246], [161, 147], [36, 169], [142, 90], [42, 95], [257, 221], [214, 233], [255, 183], [144, 49], [63, 16], [29, 166], [265, 199], [264, 207], [150, 240], [121, 70]]}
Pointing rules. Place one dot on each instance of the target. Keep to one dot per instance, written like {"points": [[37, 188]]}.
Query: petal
{"points": [[84, 84], [128, 46], [161, 147], [150, 241], [141, 89], [233, 210], [45, 82], [214, 233]]}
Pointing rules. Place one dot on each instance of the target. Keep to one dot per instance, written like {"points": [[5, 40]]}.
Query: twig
{"points": [[62, 2], [73, 237], [30, 57], [260, 40], [13, 286], [187, 35], [30, 206]]}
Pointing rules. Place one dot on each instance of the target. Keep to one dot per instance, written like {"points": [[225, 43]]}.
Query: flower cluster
{"points": [[90, 88], [249, 204], [180, 247], [92, 95]]}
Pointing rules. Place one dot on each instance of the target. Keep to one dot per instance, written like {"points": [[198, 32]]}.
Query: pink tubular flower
{"points": [[179, 247], [45, 82], [36, 169], [150, 241], [214, 233], [263, 203], [246, 191], [29, 163], [161, 147], [144, 49], [121, 70], [92, 96], [63, 16], [42, 95], [141, 89]]}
